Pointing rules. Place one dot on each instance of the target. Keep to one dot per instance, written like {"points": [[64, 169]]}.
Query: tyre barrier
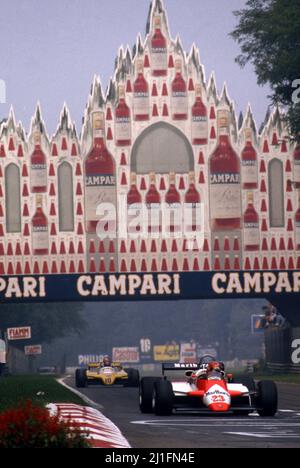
{"points": [[99, 430]]}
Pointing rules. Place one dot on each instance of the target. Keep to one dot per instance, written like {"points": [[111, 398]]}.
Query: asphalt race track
{"points": [[194, 431]]}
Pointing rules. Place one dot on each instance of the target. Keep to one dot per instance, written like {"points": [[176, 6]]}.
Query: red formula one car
{"points": [[205, 387]]}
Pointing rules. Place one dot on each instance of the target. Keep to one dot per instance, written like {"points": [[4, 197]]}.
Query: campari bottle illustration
{"points": [[249, 163], [100, 178], [123, 120], [297, 224], [172, 199], [296, 158], [251, 225], [40, 233], [159, 52], [199, 120], [225, 181], [134, 205], [141, 103], [38, 165], [153, 202], [179, 94], [192, 202]]}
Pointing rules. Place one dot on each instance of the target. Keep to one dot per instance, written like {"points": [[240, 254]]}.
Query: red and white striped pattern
{"points": [[101, 432]]}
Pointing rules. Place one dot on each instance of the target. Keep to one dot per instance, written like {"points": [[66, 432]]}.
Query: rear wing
{"points": [[178, 366]]}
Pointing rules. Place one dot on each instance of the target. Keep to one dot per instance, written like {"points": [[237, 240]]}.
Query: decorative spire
{"points": [[157, 8], [37, 121], [212, 87]]}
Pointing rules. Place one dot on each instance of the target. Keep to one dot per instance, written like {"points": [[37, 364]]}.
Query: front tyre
{"points": [[133, 378], [146, 394], [163, 398], [80, 378], [267, 398]]}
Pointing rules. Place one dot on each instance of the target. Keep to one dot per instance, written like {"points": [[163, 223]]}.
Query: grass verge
{"points": [[280, 378], [40, 389]]}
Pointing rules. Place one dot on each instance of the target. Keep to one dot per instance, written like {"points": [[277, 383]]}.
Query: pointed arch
{"points": [[162, 148], [276, 194], [13, 199], [65, 197]]}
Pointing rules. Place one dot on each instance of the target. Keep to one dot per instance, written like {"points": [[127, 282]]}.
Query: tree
{"points": [[268, 32], [48, 321]]}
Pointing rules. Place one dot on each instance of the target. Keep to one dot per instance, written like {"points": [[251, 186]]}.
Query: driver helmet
{"points": [[215, 366], [106, 361]]}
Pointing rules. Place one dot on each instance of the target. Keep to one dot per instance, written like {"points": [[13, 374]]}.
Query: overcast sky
{"points": [[51, 49]]}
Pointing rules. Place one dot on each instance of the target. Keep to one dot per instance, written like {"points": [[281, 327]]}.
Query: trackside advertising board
{"points": [[33, 350], [127, 355], [19, 333], [166, 353]]}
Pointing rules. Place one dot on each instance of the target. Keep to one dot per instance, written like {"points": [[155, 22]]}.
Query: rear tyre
{"points": [[133, 378], [267, 398], [146, 394], [80, 378], [163, 398]]}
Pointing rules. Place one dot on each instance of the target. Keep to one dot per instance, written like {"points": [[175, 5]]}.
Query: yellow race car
{"points": [[98, 374]]}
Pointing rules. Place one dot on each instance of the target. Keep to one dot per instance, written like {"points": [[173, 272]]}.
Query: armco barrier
{"points": [[279, 349], [100, 431]]}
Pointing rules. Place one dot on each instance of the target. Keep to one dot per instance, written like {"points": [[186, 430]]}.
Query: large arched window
{"points": [[276, 194], [13, 199], [162, 148], [65, 197]]}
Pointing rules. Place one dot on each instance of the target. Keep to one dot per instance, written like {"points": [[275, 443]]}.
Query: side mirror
{"points": [[189, 373], [230, 377]]}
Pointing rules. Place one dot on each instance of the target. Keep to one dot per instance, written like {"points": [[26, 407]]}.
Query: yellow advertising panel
{"points": [[167, 353]]}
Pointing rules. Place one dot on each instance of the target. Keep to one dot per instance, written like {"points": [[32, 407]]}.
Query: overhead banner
{"points": [[149, 286], [166, 353], [163, 197], [126, 355]]}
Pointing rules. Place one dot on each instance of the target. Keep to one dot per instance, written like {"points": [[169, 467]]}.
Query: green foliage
{"points": [[48, 321], [268, 32], [41, 390]]}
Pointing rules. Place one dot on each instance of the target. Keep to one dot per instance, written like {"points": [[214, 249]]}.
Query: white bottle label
{"points": [[192, 217], [99, 189], [251, 235], [159, 59], [199, 128], [297, 171], [123, 129], [38, 175], [134, 218], [141, 104], [249, 172], [40, 238], [179, 103], [225, 196]]}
